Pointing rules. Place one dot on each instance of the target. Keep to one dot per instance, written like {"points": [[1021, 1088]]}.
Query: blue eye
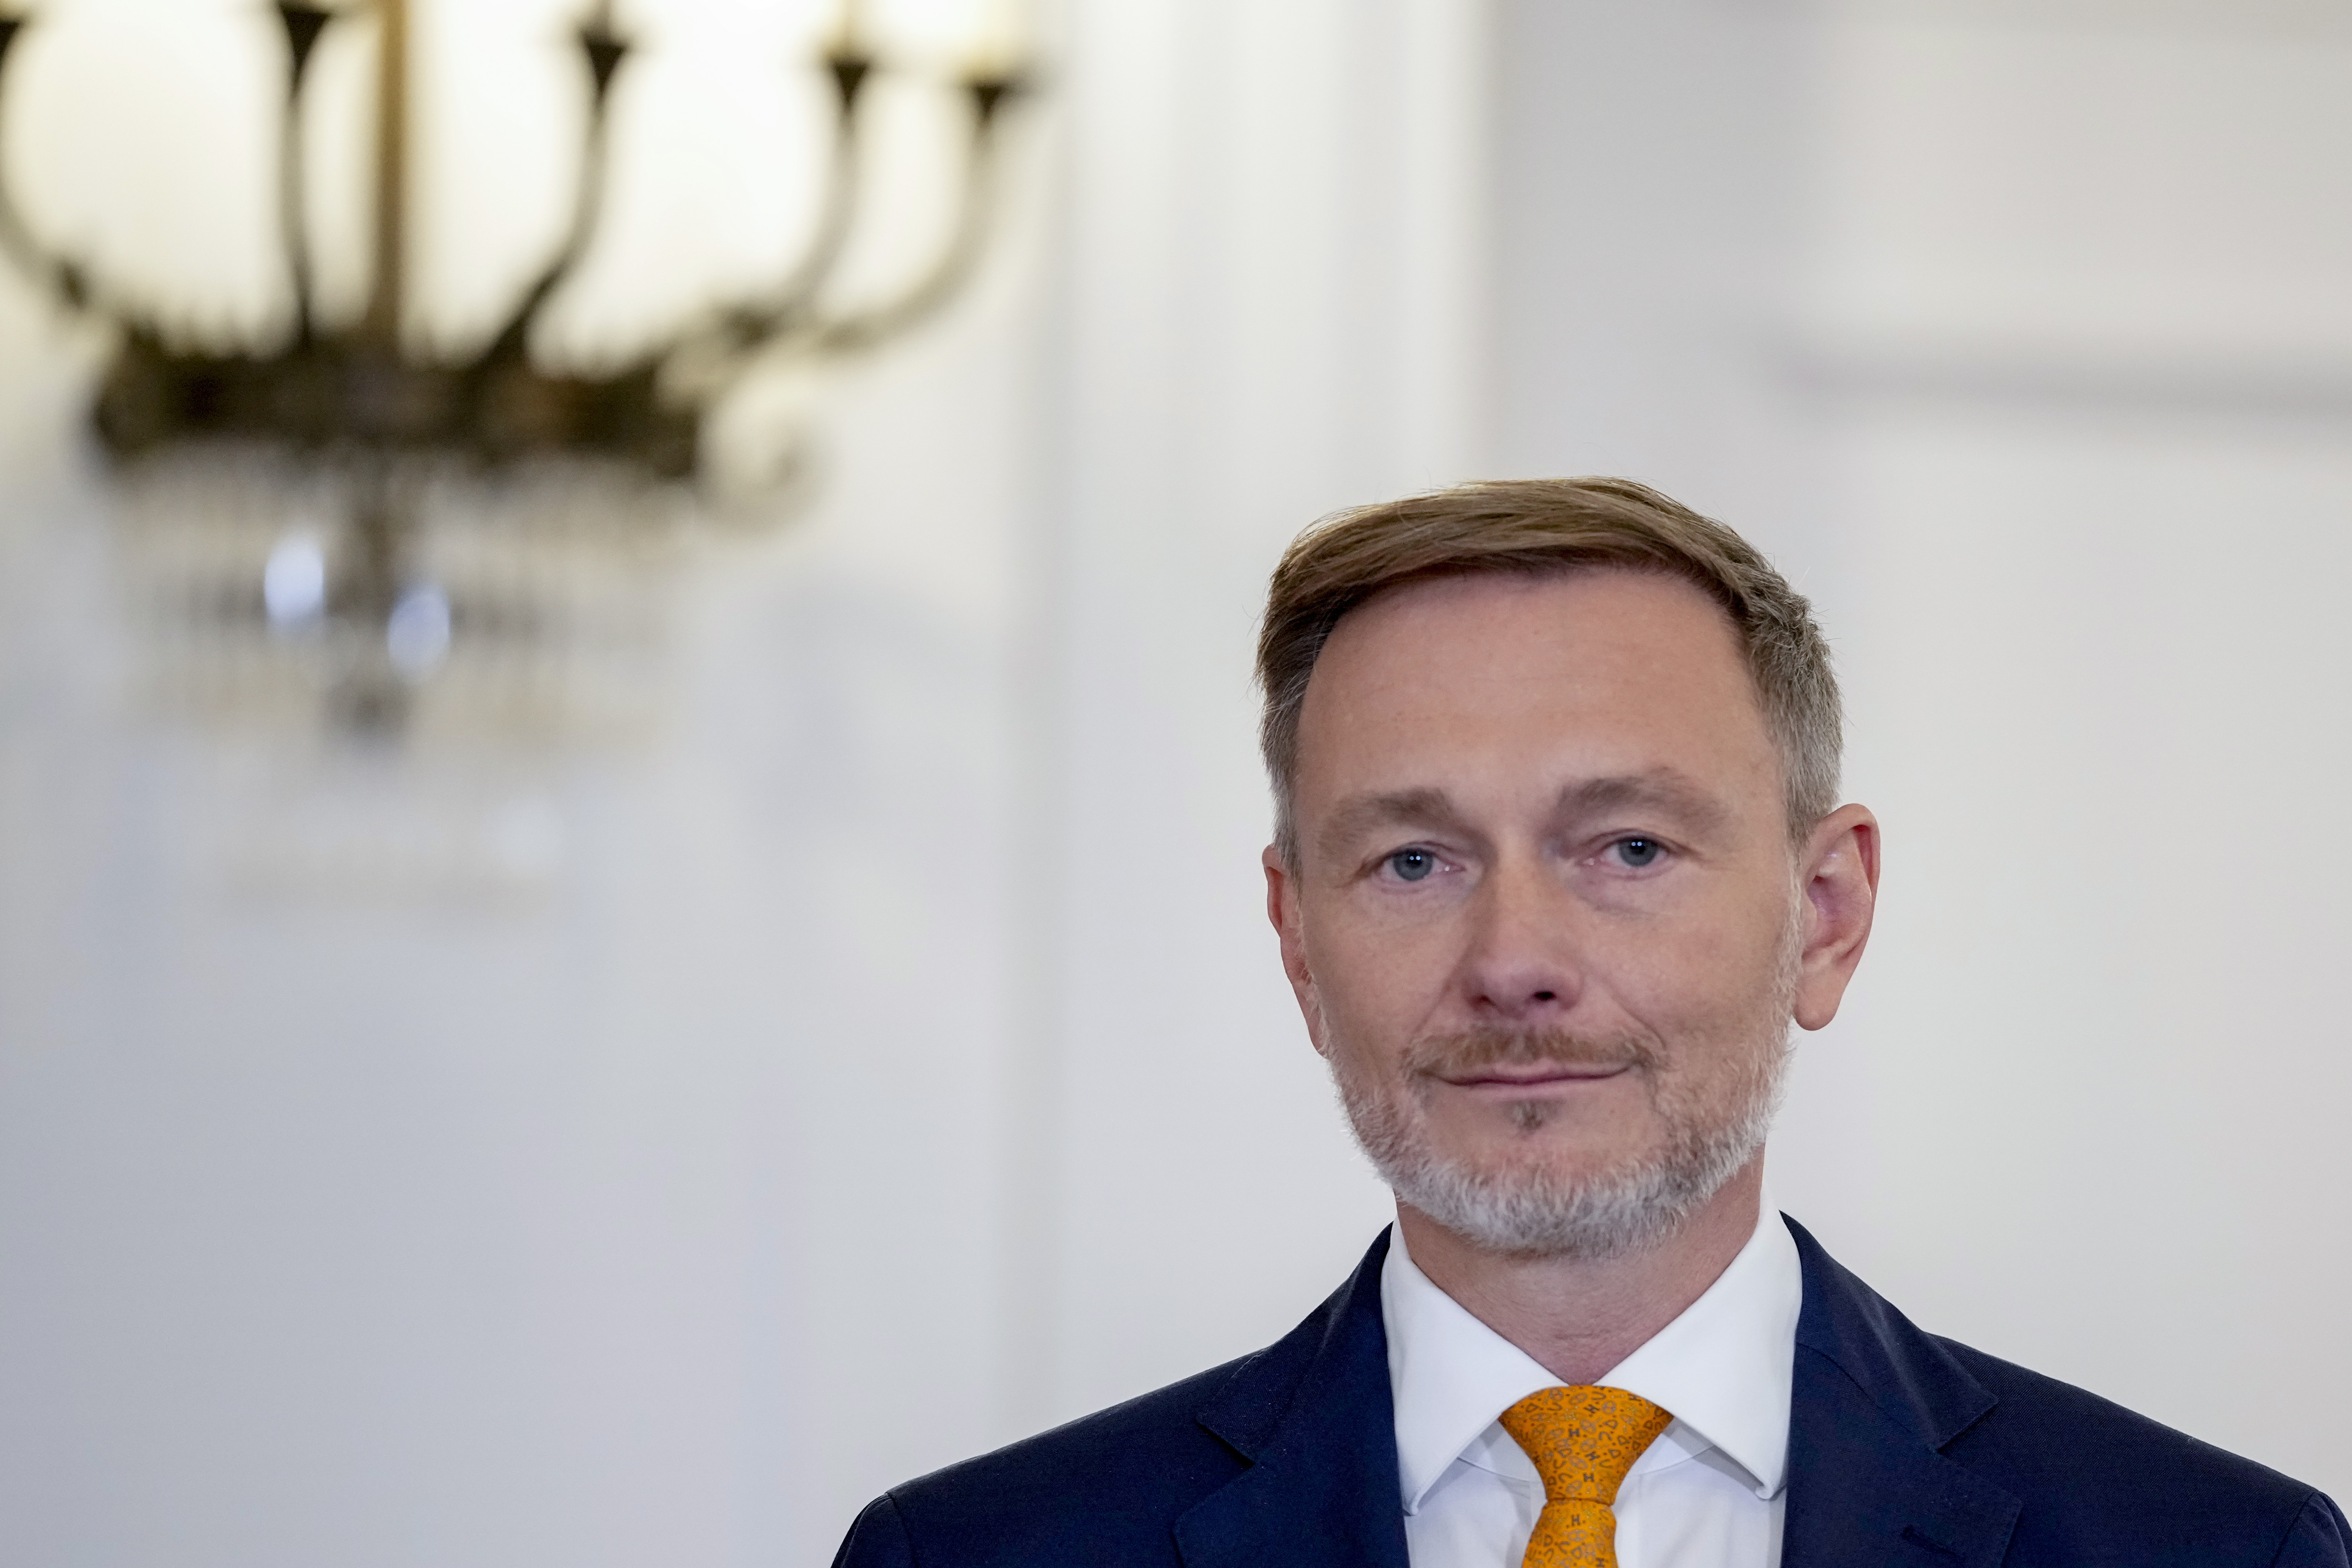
{"points": [[1412, 865], [1638, 853]]}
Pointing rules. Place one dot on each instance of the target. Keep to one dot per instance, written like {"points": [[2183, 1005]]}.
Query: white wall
{"points": [[2087, 418], [2022, 337]]}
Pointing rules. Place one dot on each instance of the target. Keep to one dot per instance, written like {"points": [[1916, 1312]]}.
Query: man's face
{"points": [[1545, 920]]}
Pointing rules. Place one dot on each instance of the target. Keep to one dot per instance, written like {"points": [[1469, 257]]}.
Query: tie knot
{"points": [[1584, 1439]]}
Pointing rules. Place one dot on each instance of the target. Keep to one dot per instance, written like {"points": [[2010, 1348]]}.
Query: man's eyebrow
{"points": [[1359, 813], [1660, 789]]}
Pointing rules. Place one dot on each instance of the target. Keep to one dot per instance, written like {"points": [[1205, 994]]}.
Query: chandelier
{"points": [[391, 510]]}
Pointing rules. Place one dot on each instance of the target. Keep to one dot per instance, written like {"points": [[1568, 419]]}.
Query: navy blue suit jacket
{"points": [[1904, 1449]]}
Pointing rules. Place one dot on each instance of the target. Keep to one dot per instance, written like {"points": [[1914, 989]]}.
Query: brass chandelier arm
{"points": [[303, 25], [805, 331], [53, 275], [603, 51], [947, 276], [710, 357], [748, 327]]}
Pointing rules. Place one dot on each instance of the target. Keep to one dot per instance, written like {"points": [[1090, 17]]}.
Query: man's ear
{"points": [[1838, 877], [1282, 908]]}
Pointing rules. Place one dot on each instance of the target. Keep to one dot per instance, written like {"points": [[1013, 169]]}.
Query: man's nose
{"points": [[1521, 964]]}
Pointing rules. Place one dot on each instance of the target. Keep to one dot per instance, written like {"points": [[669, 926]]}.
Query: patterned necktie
{"points": [[1583, 1441]]}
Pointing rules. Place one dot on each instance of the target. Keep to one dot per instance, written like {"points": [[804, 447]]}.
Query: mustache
{"points": [[1460, 1055]]}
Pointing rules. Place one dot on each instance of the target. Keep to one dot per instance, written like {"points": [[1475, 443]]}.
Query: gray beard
{"points": [[1533, 1212]]}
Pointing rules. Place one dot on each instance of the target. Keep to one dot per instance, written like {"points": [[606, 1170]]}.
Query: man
{"points": [[1557, 860]]}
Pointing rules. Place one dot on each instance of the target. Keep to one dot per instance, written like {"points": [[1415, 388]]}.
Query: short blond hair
{"points": [[1540, 528]]}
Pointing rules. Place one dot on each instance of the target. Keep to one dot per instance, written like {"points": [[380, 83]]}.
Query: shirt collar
{"points": [[1724, 1367]]}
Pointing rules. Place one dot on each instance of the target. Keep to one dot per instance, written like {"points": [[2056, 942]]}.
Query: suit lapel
{"points": [[1864, 1491], [1314, 1416], [1874, 1402]]}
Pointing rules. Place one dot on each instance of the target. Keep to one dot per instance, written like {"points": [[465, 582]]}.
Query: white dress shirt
{"points": [[1706, 1494]]}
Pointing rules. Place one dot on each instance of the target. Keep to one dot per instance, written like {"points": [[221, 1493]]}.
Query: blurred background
{"points": [[622, 1017]]}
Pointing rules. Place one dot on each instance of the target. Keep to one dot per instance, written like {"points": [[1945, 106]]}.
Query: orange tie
{"points": [[1583, 1441]]}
